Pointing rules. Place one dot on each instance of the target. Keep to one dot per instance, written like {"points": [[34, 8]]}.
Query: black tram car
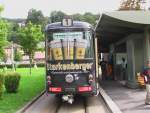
{"points": [[71, 60]]}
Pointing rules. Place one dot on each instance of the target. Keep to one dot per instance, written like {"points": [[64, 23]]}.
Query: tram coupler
{"points": [[68, 98]]}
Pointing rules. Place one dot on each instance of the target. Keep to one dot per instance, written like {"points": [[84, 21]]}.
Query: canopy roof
{"points": [[114, 26]]}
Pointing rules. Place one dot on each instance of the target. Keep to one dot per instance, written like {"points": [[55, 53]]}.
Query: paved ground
{"points": [[96, 105], [45, 104], [51, 104], [128, 100]]}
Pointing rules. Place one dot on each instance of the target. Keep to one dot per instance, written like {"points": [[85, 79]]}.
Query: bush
{"points": [[22, 65], [28, 65], [1, 84], [3, 66], [12, 80], [18, 56]]}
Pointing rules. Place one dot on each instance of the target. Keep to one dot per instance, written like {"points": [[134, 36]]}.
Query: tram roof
{"points": [[76, 24]]}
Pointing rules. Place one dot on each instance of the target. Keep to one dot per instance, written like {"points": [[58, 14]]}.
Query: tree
{"points": [[29, 37], [87, 17], [13, 33], [90, 18], [45, 22], [17, 55], [4, 58], [3, 33], [56, 16], [1, 8], [78, 17], [132, 4], [36, 17]]}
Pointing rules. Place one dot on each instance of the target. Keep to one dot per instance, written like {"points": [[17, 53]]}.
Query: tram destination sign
{"points": [[68, 35]]}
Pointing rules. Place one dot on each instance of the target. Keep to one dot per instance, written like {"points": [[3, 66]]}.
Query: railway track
{"points": [[53, 104]]}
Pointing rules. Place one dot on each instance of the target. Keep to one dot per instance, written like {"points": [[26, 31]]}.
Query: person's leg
{"points": [[147, 101]]}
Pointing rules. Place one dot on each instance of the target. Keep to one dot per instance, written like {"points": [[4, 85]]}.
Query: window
{"points": [[70, 45]]}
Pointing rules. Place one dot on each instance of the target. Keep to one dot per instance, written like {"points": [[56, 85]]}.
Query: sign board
{"points": [[68, 35]]}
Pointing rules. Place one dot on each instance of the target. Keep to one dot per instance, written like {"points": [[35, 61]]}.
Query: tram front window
{"points": [[70, 45]]}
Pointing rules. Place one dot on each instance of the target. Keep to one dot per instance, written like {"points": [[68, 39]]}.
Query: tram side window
{"points": [[89, 51], [49, 51]]}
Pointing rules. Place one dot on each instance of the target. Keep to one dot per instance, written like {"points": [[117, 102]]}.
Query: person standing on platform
{"points": [[109, 71], [146, 73], [103, 65], [123, 68]]}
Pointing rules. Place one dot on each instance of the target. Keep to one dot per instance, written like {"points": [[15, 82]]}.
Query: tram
{"points": [[71, 59]]}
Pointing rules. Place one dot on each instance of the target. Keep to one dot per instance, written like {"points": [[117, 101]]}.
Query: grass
{"points": [[30, 86]]}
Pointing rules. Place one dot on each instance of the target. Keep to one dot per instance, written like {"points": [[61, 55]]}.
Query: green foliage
{"points": [[87, 17], [90, 18], [29, 37], [4, 57], [22, 65], [30, 86], [1, 84], [56, 16], [1, 8], [15, 20], [12, 80], [3, 35], [37, 17], [13, 33], [17, 56], [78, 17]]}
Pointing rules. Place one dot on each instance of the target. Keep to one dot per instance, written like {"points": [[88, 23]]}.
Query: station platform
{"points": [[128, 100]]}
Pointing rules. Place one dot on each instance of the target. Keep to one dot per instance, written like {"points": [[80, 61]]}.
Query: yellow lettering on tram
{"points": [[71, 66]]}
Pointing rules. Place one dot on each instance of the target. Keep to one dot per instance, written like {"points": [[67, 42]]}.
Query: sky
{"points": [[20, 8]]}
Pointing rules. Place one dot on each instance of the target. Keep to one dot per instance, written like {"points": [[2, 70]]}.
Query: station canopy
{"points": [[114, 26]]}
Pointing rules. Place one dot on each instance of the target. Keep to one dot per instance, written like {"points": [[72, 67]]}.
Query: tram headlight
{"points": [[49, 80], [69, 78], [91, 78]]}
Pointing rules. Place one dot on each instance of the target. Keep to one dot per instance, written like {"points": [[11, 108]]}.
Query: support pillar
{"points": [[112, 60], [131, 81], [146, 46], [147, 58]]}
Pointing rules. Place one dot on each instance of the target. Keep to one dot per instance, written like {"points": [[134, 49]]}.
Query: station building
{"points": [[125, 34]]}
